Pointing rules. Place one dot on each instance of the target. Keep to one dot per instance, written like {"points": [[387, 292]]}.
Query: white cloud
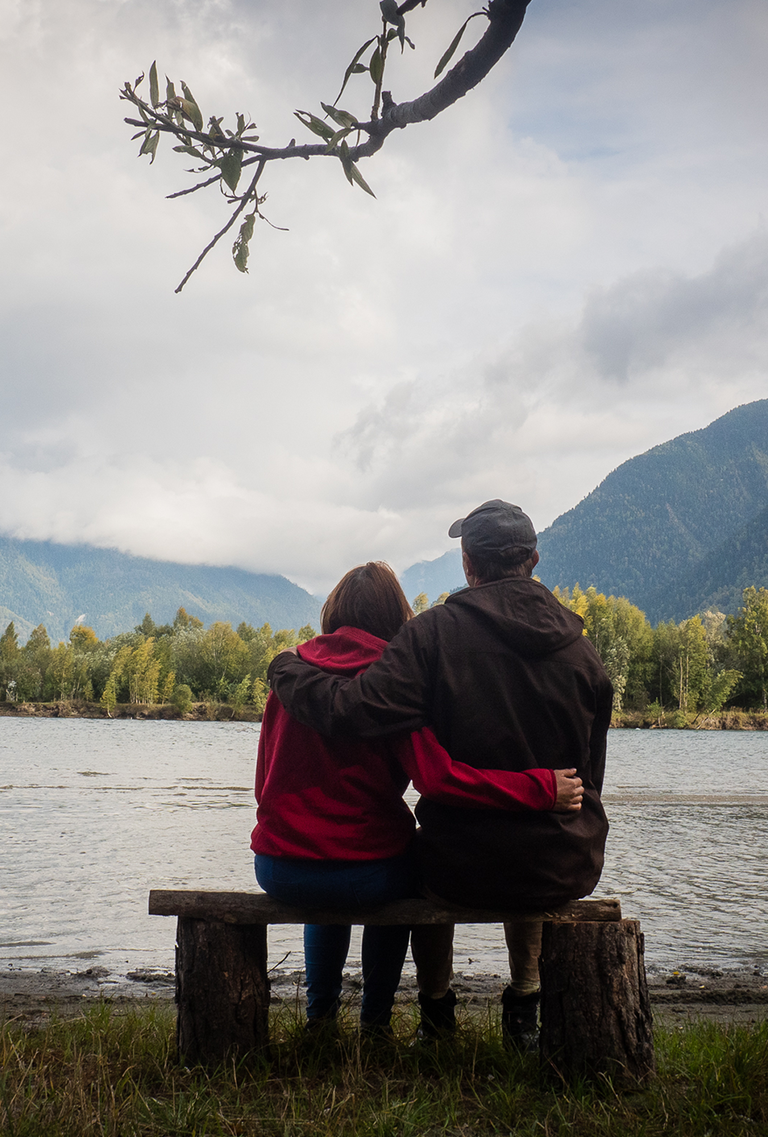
{"points": [[563, 403], [539, 291]]}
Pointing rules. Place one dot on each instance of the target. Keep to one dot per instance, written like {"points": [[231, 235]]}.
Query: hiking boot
{"points": [[520, 1020], [323, 1030], [438, 1016], [376, 1034]]}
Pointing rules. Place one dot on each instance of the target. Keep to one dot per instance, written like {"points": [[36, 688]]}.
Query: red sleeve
{"points": [[436, 776]]}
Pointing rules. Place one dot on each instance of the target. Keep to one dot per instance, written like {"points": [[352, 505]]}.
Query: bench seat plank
{"points": [[257, 908]]}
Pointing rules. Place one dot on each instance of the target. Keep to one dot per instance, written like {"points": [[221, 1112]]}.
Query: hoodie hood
{"points": [[522, 612], [345, 651]]}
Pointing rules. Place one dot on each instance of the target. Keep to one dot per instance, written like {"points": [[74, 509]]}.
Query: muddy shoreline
{"points": [[223, 712], [34, 997]]}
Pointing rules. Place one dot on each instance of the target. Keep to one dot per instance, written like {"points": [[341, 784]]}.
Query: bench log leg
{"points": [[222, 990], [595, 1010]]}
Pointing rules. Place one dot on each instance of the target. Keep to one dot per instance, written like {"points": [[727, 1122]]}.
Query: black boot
{"points": [[520, 1020], [438, 1017]]}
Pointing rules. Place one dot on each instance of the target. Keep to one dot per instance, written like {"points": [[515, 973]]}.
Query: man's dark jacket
{"points": [[506, 679]]}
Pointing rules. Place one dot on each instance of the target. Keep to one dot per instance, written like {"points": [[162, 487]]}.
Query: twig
{"points": [[246, 198], [209, 182]]}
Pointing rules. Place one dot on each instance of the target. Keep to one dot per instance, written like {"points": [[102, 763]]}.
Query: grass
{"points": [[116, 1075]]}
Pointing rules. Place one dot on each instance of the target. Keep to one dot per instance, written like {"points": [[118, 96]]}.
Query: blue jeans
{"points": [[345, 885]]}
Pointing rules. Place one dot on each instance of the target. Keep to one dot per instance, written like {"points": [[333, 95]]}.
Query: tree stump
{"points": [[222, 990], [595, 1010]]}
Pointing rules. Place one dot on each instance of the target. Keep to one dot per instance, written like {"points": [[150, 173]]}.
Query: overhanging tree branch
{"points": [[229, 152]]}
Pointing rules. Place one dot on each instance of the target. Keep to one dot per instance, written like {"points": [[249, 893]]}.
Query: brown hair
{"points": [[515, 562], [367, 597]]}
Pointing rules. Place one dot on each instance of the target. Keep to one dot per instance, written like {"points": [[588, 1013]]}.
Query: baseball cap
{"points": [[495, 527]]}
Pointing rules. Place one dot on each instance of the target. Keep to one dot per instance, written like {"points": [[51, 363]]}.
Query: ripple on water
{"points": [[95, 813]]}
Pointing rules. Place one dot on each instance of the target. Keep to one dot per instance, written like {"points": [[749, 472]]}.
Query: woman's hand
{"points": [[570, 791]]}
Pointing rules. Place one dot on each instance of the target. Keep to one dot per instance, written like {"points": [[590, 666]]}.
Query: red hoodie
{"points": [[341, 798]]}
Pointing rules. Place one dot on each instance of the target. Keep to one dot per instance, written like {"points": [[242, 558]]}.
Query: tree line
{"points": [[680, 671], [177, 664]]}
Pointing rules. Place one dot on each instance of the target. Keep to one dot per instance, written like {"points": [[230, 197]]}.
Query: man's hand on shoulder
{"points": [[275, 660], [570, 791]]}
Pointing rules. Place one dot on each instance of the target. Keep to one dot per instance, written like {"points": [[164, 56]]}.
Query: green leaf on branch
{"points": [[170, 90], [390, 11], [376, 66], [149, 145], [360, 180], [240, 248], [395, 33], [231, 166], [391, 14], [334, 142], [190, 107], [154, 90], [346, 161], [340, 117], [355, 67], [315, 124], [353, 175], [448, 55], [192, 112]]}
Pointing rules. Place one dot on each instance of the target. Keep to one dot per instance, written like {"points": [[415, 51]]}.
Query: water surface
{"points": [[93, 814]]}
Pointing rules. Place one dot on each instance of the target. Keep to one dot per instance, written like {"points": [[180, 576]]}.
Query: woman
{"points": [[332, 828]]}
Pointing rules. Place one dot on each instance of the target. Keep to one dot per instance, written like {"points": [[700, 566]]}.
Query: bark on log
{"points": [[222, 990], [595, 1011]]}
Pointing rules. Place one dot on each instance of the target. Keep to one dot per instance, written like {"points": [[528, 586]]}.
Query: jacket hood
{"points": [[523, 612], [345, 651]]}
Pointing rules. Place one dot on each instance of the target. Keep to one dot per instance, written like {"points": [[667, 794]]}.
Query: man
{"points": [[504, 676]]}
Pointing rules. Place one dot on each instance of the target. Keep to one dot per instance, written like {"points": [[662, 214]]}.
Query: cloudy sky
{"points": [[566, 268]]}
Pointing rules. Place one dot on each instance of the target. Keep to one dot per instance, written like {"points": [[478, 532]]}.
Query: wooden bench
{"points": [[595, 1011]]}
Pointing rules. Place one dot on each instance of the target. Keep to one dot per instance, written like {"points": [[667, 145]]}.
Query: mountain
{"points": [[45, 583], [677, 530], [664, 528], [719, 579], [433, 577]]}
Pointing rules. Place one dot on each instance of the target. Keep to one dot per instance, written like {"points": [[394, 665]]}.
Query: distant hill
{"points": [[45, 583], [434, 577], [676, 529]]}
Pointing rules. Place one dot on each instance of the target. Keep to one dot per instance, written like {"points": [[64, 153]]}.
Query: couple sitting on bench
{"points": [[496, 707]]}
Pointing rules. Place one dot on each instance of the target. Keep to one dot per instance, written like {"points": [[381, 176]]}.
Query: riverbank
{"points": [[707, 994], [734, 719], [79, 709]]}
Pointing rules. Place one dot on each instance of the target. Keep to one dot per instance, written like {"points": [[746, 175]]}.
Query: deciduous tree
{"points": [[748, 635]]}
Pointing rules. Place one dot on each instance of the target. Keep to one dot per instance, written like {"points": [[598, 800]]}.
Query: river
{"points": [[93, 814]]}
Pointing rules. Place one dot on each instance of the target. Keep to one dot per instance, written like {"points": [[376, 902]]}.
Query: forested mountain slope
{"points": [[681, 527], [719, 579], [45, 583], [433, 577]]}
